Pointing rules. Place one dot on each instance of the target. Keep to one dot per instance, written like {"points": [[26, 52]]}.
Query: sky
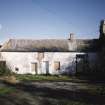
{"points": [[41, 19]]}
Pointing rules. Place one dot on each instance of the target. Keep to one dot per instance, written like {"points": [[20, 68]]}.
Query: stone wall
{"points": [[102, 47], [21, 62]]}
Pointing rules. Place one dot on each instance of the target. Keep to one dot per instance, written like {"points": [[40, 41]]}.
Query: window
{"points": [[57, 65], [16, 69], [40, 55]]}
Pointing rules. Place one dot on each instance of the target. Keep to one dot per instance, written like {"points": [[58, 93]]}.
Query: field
{"points": [[50, 90]]}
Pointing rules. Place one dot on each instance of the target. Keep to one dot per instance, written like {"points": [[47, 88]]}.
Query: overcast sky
{"points": [[50, 18]]}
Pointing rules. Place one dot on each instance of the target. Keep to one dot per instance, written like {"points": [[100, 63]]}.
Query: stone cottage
{"points": [[49, 56], [52, 56]]}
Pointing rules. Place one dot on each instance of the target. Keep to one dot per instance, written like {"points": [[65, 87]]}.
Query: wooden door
{"points": [[34, 67]]}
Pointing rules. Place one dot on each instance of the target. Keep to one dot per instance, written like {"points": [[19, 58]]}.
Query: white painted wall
{"points": [[23, 60]]}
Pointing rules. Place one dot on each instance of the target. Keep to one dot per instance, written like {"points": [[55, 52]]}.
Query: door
{"points": [[45, 67], [34, 67], [81, 63]]}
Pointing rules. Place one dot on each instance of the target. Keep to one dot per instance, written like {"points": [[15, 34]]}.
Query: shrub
{"points": [[4, 70]]}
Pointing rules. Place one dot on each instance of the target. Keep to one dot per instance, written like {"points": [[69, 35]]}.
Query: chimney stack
{"points": [[102, 28], [71, 37], [0, 46]]}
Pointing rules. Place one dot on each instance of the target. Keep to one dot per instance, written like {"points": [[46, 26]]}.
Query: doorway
{"points": [[81, 63], [45, 67], [34, 67]]}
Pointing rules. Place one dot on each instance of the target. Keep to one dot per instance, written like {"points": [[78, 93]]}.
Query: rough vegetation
{"points": [[49, 90], [52, 93], [4, 70]]}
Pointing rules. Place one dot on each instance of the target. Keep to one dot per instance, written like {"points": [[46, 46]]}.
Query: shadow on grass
{"points": [[47, 93]]}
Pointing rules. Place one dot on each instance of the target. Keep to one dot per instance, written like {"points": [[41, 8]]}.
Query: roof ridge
{"points": [[36, 39]]}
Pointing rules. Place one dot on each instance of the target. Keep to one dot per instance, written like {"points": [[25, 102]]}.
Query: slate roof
{"points": [[49, 45]]}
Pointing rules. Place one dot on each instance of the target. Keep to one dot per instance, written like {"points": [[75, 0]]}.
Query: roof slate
{"points": [[48, 45]]}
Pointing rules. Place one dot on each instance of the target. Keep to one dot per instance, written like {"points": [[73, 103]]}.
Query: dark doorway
{"points": [[2, 63], [81, 63]]}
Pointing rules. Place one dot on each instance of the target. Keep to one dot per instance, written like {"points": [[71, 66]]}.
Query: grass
{"points": [[97, 89], [42, 78], [51, 96], [6, 90], [24, 94], [91, 88]]}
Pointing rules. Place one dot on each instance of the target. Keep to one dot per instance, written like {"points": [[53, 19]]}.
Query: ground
{"points": [[50, 92]]}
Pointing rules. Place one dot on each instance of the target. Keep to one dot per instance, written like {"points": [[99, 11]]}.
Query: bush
{"points": [[4, 70]]}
